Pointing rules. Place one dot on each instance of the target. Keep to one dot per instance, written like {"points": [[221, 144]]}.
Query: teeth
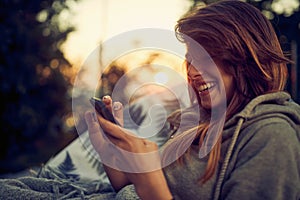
{"points": [[206, 86]]}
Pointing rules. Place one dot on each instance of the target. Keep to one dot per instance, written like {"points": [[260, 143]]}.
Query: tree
{"points": [[34, 81], [285, 17]]}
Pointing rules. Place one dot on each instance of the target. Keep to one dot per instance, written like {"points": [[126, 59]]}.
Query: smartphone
{"points": [[101, 109]]}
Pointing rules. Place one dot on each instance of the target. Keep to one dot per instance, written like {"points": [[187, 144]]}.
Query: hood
{"points": [[278, 104]]}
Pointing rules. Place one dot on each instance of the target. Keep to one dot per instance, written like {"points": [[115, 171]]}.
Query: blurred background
{"points": [[45, 43]]}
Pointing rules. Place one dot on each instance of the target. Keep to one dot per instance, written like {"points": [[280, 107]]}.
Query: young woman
{"points": [[256, 154]]}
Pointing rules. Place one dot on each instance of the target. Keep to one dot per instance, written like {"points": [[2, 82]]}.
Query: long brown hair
{"points": [[242, 38]]}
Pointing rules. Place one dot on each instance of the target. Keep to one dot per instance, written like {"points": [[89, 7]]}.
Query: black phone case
{"points": [[102, 110]]}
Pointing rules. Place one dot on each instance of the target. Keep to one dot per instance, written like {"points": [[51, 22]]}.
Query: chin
{"points": [[206, 105], [209, 104]]}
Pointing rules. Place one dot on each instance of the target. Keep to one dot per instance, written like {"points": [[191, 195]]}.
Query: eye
{"points": [[188, 63]]}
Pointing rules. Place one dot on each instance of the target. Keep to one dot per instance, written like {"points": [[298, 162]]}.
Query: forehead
{"points": [[196, 52], [201, 61]]}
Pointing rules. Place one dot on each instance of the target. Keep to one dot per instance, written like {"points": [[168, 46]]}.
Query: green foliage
{"points": [[33, 89]]}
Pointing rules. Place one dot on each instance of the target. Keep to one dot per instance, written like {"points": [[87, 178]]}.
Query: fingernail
{"points": [[117, 106], [106, 97]]}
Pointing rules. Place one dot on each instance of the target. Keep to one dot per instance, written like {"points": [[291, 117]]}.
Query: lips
{"points": [[206, 86]]}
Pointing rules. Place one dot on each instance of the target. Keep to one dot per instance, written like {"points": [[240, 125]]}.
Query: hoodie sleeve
{"points": [[266, 165]]}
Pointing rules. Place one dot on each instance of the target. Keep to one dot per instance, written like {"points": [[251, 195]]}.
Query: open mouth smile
{"points": [[205, 87]]}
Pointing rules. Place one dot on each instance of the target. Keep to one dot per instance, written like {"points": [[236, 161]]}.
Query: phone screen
{"points": [[101, 109]]}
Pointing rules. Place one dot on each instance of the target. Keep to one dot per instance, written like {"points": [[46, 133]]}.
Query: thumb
{"points": [[95, 133], [118, 112], [92, 122]]}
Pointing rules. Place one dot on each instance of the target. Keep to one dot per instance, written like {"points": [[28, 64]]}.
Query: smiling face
{"points": [[214, 86]]}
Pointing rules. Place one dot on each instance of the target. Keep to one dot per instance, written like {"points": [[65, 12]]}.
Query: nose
{"points": [[193, 73]]}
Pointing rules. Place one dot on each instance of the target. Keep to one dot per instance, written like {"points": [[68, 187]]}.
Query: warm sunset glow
{"points": [[99, 20]]}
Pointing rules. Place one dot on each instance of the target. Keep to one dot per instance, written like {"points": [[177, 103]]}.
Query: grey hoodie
{"points": [[260, 156]]}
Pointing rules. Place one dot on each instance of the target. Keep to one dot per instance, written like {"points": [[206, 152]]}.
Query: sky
{"points": [[105, 20], [100, 20]]}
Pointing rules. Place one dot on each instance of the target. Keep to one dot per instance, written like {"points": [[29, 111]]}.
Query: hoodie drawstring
{"points": [[227, 158]]}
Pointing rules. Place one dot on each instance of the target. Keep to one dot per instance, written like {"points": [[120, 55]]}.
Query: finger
{"points": [[111, 129], [108, 102], [97, 124], [118, 112], [94, 131]]}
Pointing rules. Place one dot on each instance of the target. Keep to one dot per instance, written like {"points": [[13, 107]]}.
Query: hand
{"points": [[117, 178], [127, 158]]}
